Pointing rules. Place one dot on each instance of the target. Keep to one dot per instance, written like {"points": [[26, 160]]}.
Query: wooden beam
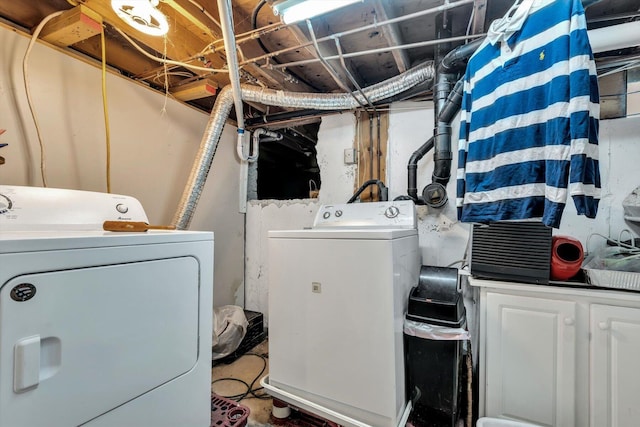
{"points": [[393, 36], [479, 16], [197, 18], [180, 42], [195, 90], [73, 26], [371, 146], [119, 55], [325, 50]]}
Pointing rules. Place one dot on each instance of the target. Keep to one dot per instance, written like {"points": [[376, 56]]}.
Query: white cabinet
{"points": [[559, 356], [614, 373], [530, 359]]}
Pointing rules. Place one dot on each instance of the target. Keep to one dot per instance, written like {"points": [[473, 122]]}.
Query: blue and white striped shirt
{"points": [[529, 120]]}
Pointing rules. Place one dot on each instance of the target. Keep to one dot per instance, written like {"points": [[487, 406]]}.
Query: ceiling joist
{"points": [[392, 33], [73, 26]]}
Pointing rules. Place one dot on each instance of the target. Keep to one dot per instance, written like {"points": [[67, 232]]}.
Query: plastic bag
{"points": [[434, 332], [614, 258], [229, 328]]}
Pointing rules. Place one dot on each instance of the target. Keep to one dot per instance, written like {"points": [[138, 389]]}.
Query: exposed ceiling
{"points": [[284, 57]]}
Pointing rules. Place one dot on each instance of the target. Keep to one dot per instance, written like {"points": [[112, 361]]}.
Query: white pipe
{"points": [[615, 37], [226, 19], [269, 136]]}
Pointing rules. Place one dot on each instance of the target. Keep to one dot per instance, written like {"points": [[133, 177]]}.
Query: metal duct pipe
{"points": [[340, 101], [319, 101]]}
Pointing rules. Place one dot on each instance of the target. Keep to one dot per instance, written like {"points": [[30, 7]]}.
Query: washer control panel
{"points": [[42, 209], [397, 214]]}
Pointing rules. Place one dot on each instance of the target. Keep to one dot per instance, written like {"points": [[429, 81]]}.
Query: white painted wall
{"points": [[153, 142], [337, 133], [442, 238], [262, 216]]}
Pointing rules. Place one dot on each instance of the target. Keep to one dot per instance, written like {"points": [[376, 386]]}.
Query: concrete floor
{"points": [[246, 368]]}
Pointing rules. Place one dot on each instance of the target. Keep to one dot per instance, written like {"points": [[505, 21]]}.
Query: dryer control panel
{"points": [[52, 209], [396, 214]]}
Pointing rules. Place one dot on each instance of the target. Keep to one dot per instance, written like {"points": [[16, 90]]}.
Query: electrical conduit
{"points": [[226, 21]]}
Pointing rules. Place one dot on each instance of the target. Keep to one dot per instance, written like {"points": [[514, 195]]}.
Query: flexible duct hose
{"points": [[318, 101]]}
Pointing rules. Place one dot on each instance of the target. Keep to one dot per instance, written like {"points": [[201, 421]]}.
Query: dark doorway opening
{"points": [[288, 168]]}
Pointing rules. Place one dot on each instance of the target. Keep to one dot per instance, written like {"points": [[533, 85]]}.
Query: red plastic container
{"points": [[227, 413], [567, 255]]}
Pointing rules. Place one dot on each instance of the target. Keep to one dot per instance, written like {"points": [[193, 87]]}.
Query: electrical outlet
{"points": [[349, 156]]}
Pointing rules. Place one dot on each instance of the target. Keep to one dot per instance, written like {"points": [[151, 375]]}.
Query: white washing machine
{"points": [[337, 297], [100, 328]]}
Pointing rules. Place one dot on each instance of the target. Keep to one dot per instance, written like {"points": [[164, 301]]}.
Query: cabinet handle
{"points": [[568, 321], [603, 325]]}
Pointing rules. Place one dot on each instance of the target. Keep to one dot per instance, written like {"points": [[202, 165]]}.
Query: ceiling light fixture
{"points": [[142, 15], [298, 10]]}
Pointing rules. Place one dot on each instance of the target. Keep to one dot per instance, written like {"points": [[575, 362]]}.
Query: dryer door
{"points": [[75, 344]]}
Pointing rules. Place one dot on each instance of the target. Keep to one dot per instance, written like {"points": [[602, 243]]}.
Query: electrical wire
{"points": [[167, 61], [166, 78], [156, 78], [619, 243], [105, 108], [25, 69], [251, 392], [473, 13], [254, 27], [207, 14]]}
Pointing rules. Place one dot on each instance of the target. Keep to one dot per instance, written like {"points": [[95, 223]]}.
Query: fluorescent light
{"points": [[298, 10], [142, 15]]}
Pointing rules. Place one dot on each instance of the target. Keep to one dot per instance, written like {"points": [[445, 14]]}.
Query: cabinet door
{"points": [[614, 373], [530, 359]]}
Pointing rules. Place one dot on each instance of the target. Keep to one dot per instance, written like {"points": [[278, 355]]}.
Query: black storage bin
{"points": [[434, 367]]}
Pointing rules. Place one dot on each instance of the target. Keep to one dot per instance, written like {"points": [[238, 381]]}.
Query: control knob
{"points": [[5, 204], [392, 212]]}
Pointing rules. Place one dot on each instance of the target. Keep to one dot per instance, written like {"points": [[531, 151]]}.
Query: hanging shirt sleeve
{"points": [[584, 173], [463, 139]]}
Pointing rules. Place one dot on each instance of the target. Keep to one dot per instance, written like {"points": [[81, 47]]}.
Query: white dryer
{"points": [[337, 297], [100, 328]]}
